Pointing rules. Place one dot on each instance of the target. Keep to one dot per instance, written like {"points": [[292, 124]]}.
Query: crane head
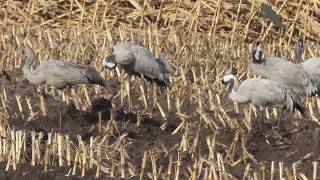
{"points": [[300, 43], [257, 54], [29, 53], [227, 79], [109, 62]]}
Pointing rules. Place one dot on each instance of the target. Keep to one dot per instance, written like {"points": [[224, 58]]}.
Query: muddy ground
{"points": [[294, 141]]}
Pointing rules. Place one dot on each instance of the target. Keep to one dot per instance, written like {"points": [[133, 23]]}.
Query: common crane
{"points": [[138, 60], [263, 93], [60, 74], [284, 72]]}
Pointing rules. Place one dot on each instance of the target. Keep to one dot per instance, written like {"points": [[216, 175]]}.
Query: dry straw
{"points": [[202, 39]]}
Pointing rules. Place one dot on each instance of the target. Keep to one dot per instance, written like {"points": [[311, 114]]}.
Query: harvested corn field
{"points": [[190, 130]]}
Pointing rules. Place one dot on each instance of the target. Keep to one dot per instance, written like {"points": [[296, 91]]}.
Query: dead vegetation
{"points": [[192, 131]]}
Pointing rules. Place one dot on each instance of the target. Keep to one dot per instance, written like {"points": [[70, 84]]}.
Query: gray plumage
{"points": [[284, 72], [138, 60], [312, 64], [263, 93], [59, 73]]}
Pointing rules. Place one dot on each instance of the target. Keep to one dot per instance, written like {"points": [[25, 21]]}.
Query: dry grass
{"points": [[202, 39]]}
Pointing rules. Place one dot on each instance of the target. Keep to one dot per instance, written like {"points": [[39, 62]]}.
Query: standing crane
{"points": [[284, 72], [263, 93]]}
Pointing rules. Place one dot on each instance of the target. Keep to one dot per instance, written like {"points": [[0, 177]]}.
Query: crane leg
{"points": [[60, 116], [144, 93], [122, 90], [154, 96], [59, 106], [261, 124], [129, 95], [279, 119]]}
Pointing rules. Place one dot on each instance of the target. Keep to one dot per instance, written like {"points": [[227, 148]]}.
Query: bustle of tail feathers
{"points": [[294, 102], [164, 78], [95, 78], [317, 83], [313, 87], [165, 65], [161, 83], [300, 108]]}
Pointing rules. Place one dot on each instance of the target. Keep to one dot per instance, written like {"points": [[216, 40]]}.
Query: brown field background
{"points": [[199, 132]]}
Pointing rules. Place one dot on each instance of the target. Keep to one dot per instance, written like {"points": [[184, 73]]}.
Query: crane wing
{"points": [[60, 73], [136, 59], [287, 73], [149, 66], [123, 53]]}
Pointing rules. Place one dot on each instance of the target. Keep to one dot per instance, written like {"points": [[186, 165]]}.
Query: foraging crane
{"points": [[60, 74], [263, 93], [284, 72], [138, 60]]}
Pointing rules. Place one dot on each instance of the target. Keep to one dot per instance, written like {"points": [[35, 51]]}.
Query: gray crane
{"points": [[138, 60], [284, 72], [263, 93], [60, 74]]}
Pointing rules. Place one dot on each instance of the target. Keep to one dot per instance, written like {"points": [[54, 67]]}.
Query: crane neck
{"points": [[233, 86], [27, 65], [234, 94], [28, 72], [299, 55]]}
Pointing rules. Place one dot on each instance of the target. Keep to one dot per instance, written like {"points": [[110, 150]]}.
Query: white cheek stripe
{"points": [[256, 56], [108, 64]]}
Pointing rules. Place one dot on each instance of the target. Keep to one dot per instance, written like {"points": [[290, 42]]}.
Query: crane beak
{"points": [[223, 82], [108, 62]]}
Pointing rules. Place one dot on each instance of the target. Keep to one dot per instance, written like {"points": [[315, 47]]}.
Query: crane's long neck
{"points": [[28, 72], [234, 93], [233, 85], [299, 55], [27, 65], [261, 69]]}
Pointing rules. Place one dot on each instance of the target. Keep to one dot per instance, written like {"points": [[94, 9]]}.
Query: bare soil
{"points": [[296, 139]]}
